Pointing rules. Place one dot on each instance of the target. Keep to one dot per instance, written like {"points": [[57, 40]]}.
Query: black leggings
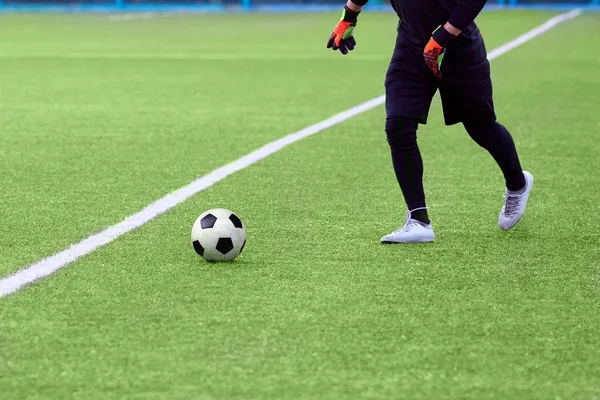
{"points": [[408, 164], [406, 158], [497, 140]]}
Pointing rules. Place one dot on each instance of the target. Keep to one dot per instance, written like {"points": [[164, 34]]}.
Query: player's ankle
{"points": [[517, 185], [421, 216]]}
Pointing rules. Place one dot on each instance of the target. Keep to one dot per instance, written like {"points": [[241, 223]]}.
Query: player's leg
{"points": [[409, 91], [408, 165], [467, 96], [496, 139]]}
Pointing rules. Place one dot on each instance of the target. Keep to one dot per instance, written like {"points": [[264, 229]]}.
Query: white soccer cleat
{"points": [[412, 231], [515, 205]]}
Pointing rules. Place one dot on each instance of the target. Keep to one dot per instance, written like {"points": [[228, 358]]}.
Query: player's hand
{"points": [[435, 49], [341, 39]]}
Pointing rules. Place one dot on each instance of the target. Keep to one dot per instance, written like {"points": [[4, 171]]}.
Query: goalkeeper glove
{"points": [[341, 39], [435, 49]]}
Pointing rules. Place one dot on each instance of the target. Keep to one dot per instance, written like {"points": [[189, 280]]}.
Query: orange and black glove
{"points": [[341, 39], [435, 49]]}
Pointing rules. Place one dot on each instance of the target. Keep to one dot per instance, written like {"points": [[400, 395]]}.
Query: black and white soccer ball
{"points": [[218, 235]]}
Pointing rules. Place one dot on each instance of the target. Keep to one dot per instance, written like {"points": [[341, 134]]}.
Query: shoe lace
{"points": [[409, 221], [511, 204]]}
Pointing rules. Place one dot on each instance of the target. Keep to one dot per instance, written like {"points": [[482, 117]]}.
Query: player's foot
{"points": [[515, 204], [413, 231]]}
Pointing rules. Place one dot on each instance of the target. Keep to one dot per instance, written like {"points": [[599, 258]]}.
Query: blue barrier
{"points": [[248, 5]]}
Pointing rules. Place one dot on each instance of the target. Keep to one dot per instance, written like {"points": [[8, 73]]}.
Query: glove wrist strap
{"points": [[349, 15], [442, 36]]}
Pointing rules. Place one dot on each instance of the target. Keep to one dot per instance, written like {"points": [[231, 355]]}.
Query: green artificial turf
{"points": [[100, 118], [315, 308]]}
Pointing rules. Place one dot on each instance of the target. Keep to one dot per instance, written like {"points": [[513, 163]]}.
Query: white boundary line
{"points": [[131, 16], [532, 34], [48, 266], [194, 56]]}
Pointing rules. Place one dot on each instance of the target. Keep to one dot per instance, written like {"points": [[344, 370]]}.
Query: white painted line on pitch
{"points": [[48, 266], [196, 56], [131, 16], [545, 27], [540, 30]]}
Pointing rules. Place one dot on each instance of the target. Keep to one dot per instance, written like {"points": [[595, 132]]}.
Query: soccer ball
{"points": [[218, 235]]}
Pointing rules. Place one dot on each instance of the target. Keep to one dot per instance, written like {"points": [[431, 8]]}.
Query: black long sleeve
{"points": [[465, 12]]}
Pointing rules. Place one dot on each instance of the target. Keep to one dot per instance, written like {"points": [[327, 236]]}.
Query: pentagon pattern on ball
{"points": [[236, 221], [224, 245], [208, 221], [198, 247]]}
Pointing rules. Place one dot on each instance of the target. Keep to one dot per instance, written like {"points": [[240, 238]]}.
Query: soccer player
{"points": [[438, 47]]}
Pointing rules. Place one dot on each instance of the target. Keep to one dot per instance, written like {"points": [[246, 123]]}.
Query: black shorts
{"points": [[465, 87]]}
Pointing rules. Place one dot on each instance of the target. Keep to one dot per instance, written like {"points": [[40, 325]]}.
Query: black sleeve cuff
{"points": [[350, 15], [460, 23], [465, 12], [442, 36], [360, 2]]}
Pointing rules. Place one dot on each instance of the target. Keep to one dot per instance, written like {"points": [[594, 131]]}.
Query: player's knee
{"points": [[477, 121], [401, 132], [484, 132]]}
